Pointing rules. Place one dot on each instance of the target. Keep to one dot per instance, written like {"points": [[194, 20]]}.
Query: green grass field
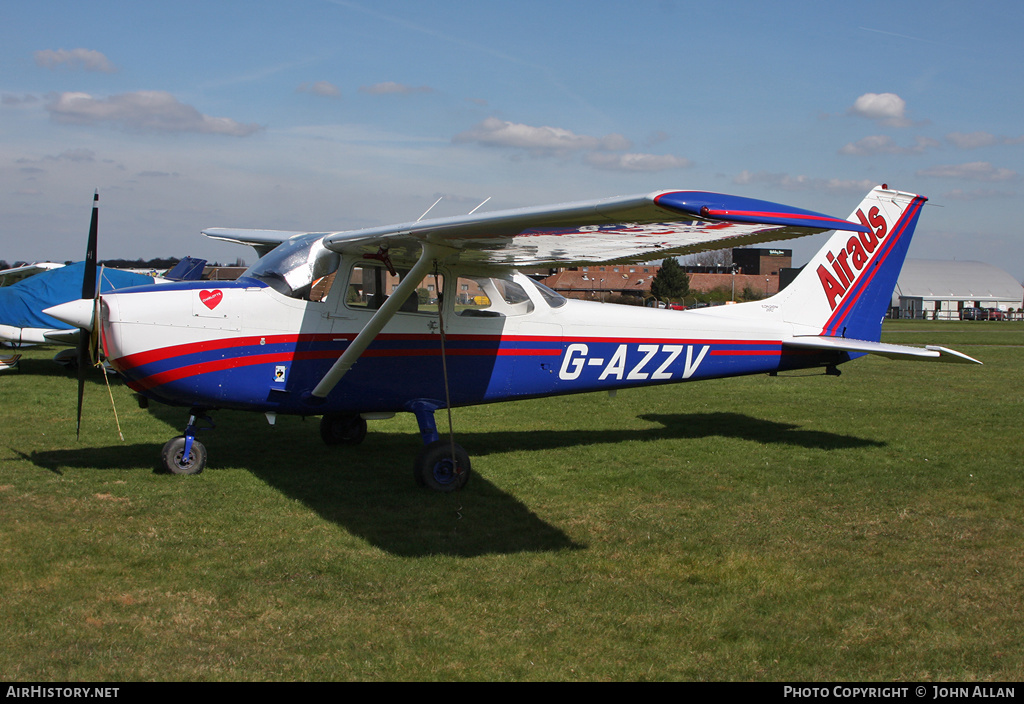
{"points": [[794, 528]]}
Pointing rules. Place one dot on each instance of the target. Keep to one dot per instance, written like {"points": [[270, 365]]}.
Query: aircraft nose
{"points": [[77, 313]]}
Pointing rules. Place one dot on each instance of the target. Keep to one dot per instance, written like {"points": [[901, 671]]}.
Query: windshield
{"points": [[295, 265]]}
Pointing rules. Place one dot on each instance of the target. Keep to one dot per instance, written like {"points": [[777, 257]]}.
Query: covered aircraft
{"points": [[22, 305], [9, 277]]}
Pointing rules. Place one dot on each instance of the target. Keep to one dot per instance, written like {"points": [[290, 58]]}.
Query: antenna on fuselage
{"points": [[429, 209], [479, 206]]}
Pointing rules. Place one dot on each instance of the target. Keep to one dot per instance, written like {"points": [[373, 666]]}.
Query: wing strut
{"points": [[405, 288]]}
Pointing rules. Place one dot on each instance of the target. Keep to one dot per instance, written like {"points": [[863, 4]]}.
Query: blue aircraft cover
{"points": [[22, 304]]}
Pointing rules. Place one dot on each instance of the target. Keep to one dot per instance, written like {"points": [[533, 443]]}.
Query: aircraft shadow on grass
{"points": [[368, 489], [364, 493], [674, 426], [47, 367]]}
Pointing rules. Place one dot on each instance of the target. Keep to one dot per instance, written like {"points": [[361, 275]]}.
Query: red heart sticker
{"points": [[210, 299]]}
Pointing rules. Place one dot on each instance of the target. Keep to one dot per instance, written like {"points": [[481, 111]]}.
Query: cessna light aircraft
{"points": [[339, 325]]}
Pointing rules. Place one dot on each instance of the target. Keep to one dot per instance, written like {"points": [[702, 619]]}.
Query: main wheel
{"points": [[436, 469], [342, 429], [175, 462]]}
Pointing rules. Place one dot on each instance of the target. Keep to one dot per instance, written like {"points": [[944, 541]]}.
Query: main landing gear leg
{"points": [[184, 454], [441, 465]]}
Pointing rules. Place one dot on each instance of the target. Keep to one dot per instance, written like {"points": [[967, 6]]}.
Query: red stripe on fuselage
{"points": [[219, 365], [161, 354], [133, 361]]}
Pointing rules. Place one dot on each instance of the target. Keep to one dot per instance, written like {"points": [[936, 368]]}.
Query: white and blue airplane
{"points": [[433, 314]]}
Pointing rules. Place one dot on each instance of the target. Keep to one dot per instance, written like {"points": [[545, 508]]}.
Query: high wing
{"points": [[627, 228], [261, 240]]}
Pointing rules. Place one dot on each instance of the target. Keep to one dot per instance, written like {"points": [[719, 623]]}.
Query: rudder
{"points": [[846, 288]]}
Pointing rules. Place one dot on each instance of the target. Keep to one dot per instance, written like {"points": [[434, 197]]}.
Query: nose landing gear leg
{"points": [[184, 454]]}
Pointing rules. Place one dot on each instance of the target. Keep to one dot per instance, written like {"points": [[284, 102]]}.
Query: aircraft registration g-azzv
{"points": [[315, 327]]}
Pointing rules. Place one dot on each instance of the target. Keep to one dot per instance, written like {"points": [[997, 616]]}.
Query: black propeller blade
{"points": [[89, 289]]}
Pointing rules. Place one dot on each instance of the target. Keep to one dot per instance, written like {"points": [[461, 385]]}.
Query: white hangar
{"points": [[941, 290]]}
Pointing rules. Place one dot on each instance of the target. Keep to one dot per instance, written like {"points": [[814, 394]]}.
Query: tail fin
{"points": [[846, 288]]}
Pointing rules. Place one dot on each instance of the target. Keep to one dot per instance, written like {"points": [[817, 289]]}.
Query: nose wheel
{"points": [[184, 454], [181, 457]]}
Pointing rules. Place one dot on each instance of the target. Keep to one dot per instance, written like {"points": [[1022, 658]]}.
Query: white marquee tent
{"points": [[940, 289]]}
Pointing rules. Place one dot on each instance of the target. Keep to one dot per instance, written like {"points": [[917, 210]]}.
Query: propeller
{"points": [[90, 289]]}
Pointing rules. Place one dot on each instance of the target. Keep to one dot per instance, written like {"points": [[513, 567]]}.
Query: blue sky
{"points": [[336, 114]]}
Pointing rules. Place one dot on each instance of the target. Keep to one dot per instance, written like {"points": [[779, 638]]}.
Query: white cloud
{"points": [[976, 140], [610, 152], [973, 171], [323, 88], [80, 155], [636, 162], [804, 183], [887, 108], [148, 111], [86, 59], [158, 174], [876, 144], [883, 144], [493, 132], [977, 194], [390, 87], [15, 100]]}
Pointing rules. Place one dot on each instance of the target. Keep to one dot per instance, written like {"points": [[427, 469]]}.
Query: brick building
{"points": [[756, 269]]}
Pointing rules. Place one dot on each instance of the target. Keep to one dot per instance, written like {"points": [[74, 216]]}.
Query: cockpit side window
{"points": [[370, 284]]}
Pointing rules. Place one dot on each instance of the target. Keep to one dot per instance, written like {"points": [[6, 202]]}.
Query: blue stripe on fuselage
{"points": [[396, 370]]}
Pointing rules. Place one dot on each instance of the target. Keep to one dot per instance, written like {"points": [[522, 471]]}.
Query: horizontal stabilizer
{"points": [[842, 344]]}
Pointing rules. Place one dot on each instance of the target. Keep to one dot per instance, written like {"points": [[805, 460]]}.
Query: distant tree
{"points": [[713, 258], [626, 300], [671, 282], [157, 263]]}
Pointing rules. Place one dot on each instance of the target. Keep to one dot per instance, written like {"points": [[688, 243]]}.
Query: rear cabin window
{"points": [[551, 297], [490, 297]]}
